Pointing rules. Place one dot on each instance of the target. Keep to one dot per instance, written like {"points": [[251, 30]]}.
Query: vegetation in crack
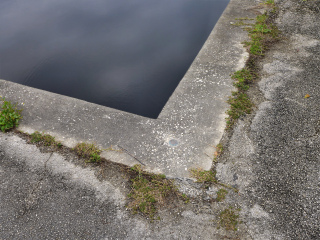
{"points": [[221, 195], [88, 151], [229, 218], [150, 191], [262, 33], [10, 115], [45, 139], [203, 176]]}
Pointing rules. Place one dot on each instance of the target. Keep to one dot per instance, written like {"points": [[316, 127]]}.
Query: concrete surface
{"points": [[272, 156], [49, 196], [194, 116]]}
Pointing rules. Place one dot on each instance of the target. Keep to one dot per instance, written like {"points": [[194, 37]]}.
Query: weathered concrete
{"points": [[194, 116], [47, 196], [273, 156]]}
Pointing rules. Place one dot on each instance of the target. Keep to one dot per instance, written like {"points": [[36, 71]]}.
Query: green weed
{"points": [[240, 105], [243, 78], [260, 34], [88, 151], [9, 115]]}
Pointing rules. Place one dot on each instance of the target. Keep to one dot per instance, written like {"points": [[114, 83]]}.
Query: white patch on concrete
{"points": [[300, 43], [68, 142], [16, 148], [243, 57], [257, 212], [119, 157], [86, 177], [258, 119], [224, 173], [278, 72], [209, 151], [188, 190], [238, 172], [138, 227], [279, 67], [241, 145], [304, 41], [26, 129], [270, 84], [212, 191], [197, 217]]}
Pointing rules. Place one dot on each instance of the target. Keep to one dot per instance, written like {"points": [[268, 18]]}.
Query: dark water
{"points": [[124, 54]]}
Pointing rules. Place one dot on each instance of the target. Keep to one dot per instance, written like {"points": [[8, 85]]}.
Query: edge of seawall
{"points": [[193, 118]]}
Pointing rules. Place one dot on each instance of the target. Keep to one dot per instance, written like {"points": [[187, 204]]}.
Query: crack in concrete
{"points": [[30, 200]]}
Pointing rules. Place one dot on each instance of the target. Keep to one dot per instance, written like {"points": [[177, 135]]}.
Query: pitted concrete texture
{"points": [[45, 196], [187, 130], [274, 156]]}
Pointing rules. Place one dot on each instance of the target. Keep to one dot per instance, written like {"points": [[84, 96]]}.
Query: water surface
{"points": [[125, 54]]}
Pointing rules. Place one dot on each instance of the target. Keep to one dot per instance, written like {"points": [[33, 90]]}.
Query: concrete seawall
{"points": [[188, 128]]}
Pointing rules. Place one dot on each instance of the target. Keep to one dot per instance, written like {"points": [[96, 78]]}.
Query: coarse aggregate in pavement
{"points": [[274, 155]]}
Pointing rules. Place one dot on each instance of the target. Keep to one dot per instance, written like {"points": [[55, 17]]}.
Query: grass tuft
{"points": [[228, 219], [203, 176], [221, 195], [243, 78], [240, 105], [88, 151], [261, 34], [10, 115], [45, 139], [149, 191]]}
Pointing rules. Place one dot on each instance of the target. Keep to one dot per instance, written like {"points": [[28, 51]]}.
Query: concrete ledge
{"points": [[188, 128]]}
